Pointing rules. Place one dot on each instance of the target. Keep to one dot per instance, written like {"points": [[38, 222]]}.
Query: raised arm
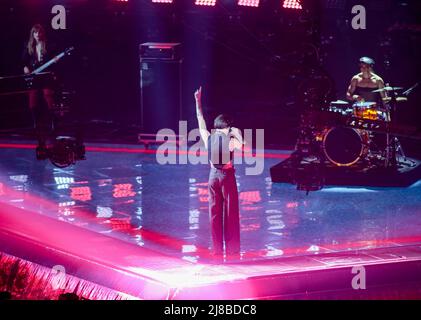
{"points": [[204, 133]]}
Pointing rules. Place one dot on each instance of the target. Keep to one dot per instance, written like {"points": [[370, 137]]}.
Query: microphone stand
{"points": [[391, 140], [393, 144], [409, 91]]}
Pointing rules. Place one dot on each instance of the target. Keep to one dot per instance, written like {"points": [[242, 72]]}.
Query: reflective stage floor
{"points": [[156, 217]]}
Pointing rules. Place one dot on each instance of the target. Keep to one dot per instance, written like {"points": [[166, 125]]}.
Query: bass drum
{"points": [[344, 147]]}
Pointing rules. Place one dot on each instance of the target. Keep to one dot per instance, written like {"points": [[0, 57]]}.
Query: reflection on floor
{"points": [[122, 192]]}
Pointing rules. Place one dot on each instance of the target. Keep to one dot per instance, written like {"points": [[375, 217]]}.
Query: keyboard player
{"points": [[41, 101]]}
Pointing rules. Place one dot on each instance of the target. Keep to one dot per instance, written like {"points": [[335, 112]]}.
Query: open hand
{"points": [[198, 94]]}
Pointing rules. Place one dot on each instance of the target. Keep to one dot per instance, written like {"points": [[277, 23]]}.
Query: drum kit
{"points": [[345, 146]]}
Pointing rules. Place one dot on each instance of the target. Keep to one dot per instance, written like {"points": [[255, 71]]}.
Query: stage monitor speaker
{"points": [[160, 93]]}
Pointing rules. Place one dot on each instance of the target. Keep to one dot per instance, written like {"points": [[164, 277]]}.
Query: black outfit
{"points": [[368, 95], [43, 118], [31, 60], [223, 196]]}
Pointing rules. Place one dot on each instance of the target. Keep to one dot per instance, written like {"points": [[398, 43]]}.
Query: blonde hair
{"points": [[31, 42]]}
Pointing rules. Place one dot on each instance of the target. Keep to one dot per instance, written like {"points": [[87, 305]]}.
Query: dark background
{"points": [[252, 62]]}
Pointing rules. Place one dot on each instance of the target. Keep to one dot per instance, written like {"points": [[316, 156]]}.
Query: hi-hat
{"points": [[340, 102], [388, 89]]}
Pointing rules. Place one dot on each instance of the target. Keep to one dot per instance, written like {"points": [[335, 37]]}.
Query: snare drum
{"points": [[369, 111]]}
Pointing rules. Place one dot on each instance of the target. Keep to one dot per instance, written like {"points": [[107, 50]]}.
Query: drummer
{"points": [[362, 84]]}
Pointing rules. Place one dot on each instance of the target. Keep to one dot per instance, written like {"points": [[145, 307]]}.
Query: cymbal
{"points": [[388, 89], [398, 99], [364, 104], [340, 102]]}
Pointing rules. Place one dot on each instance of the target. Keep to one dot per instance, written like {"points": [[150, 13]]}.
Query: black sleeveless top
{"points": [[31, 60], [219, 153], [368, 95]]}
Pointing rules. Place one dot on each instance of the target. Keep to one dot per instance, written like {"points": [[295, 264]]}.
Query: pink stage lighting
{"points": [[162, 1], [292, 4], [210, 3], [249, 3]]}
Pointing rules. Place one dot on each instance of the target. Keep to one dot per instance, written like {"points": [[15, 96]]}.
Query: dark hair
{"points": [[222, 122], [368, 61]]}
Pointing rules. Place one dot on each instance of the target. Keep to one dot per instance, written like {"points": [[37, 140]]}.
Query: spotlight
{"points": [[292, 4], [249, 3], [210, 3]]}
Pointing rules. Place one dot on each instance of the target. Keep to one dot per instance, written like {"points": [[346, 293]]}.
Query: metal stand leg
{"points": [[399, 149], [387, 157]]}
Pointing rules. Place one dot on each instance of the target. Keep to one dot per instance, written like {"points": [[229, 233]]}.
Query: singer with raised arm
{"points": [[223, 193]]}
